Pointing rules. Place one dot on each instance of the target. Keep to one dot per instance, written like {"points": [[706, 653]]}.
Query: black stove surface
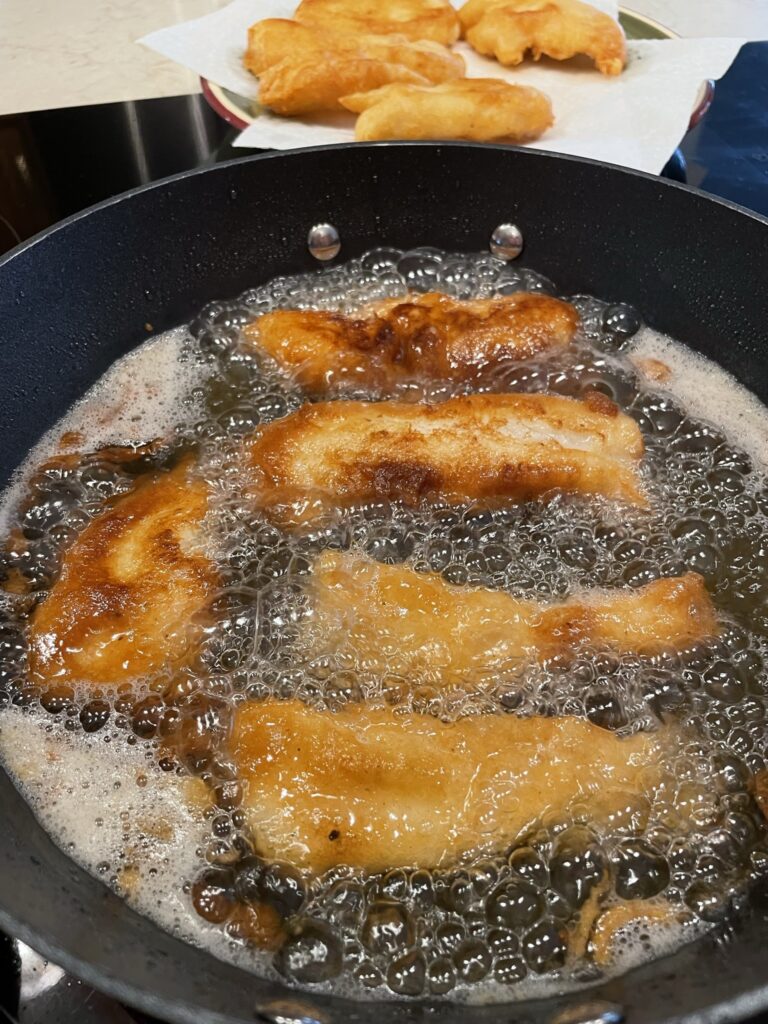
{"points": [[54, 163]]}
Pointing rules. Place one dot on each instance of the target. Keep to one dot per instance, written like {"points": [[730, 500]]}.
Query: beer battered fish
{"points": [[128, 588], [486, 446], [430, 337], [377, 789], [393, 619], [317, 68], [278, 39], [416, 19], [313, 84], [478, 109], [507, 29]]}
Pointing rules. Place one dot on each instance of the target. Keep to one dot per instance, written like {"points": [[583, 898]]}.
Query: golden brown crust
{"points": [[273, 39], [560, 29], [278, 39], [123, 456], [429, 337], [315, 83], [416, 19], [379, 789], [392, 619], [487, 447], [477, 109], [128, 587]]}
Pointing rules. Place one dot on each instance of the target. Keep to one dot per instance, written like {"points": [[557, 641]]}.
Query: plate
{"points": [[236, 110]]}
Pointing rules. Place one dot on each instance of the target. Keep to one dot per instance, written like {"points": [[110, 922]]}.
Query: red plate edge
{"points": [[221, 110], [704, 104]]}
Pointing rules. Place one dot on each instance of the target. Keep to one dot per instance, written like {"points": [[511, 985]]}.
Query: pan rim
{"points": [[177, 1011], [525, 151]]}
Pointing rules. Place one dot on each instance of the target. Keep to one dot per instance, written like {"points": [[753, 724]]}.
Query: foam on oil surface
{"points": [[707, 391], [150, 393], [110, 809], [203, 386]]}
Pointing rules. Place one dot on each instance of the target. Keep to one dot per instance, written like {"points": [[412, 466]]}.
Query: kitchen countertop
{"points": [[89, 53], [746, 19]]}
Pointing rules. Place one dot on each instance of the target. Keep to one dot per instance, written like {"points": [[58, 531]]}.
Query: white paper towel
{"points": [[636, 119]]}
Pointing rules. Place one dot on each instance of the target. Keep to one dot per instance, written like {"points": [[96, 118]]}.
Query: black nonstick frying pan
{"points": [[78, 297]]}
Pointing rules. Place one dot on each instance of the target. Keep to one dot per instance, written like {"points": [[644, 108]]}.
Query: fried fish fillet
{"points": [[506, 29], [429, 337], [393, 619], [312, 84], [128, 589], [416, 19], [274, 39], [377, 789], [277, 39], [486, 446], [478, 109]]}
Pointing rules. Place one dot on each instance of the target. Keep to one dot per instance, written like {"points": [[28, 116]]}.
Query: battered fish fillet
{"points": [[414, 624], [506, 29], [377, 789], [429, 337], [316, 83], [128, 589], [479, 109], [487, 446], [416, 19], [278, 39]]}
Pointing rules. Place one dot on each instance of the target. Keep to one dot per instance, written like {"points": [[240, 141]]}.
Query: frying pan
{"points": [[79, 296]]}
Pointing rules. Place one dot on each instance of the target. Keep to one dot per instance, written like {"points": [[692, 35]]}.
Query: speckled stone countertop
{"points": [[65, 54]]}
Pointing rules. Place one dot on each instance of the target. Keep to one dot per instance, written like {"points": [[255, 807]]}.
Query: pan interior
{"points": [[647, 265], [212, 391]]}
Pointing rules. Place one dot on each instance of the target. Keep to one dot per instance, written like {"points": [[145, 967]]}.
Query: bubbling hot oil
{"points": [[170, 835]]}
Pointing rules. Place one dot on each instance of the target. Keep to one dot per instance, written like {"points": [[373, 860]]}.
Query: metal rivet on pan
{"points": [[323, 241], [279, 1011], [592, 1012], [507, 242]]}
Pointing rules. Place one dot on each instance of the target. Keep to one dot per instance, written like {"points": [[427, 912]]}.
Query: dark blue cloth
{"points": [[727, 154]]}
